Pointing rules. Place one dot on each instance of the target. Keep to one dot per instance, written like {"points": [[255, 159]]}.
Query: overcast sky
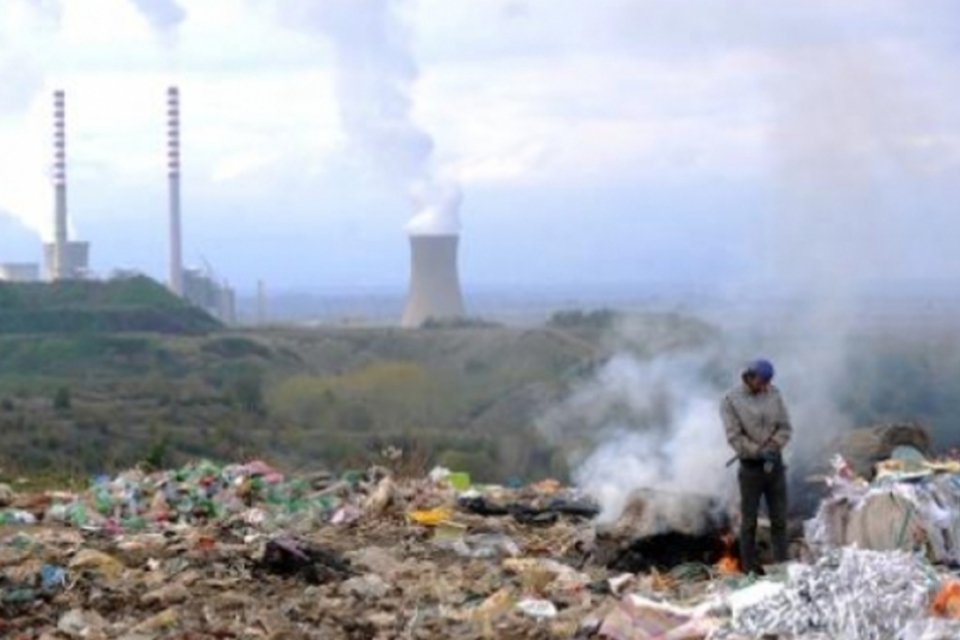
{"points": [[603, 142]]}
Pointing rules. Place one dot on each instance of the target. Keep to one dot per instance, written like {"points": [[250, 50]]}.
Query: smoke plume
{"points": [[844, 128], [436, 206], [645, 422], [375, 75], [843, 131], [24, 184], [164, 16]]}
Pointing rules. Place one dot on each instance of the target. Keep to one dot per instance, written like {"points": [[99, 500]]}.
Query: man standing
{"points": [[758, 428]]}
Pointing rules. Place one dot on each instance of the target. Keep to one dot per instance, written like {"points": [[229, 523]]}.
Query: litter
{"points": [[540, 609], [243, 550], [849, 593]]}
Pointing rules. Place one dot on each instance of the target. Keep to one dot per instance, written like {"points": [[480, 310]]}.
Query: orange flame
{"points": [[728, 564], [947, 602]]}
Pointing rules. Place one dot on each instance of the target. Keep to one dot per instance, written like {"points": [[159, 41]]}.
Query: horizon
{"points": [[612, 143]]}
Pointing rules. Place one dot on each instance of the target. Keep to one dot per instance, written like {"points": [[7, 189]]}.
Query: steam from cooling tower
{"points": [[437, 210], [164, 16], [375, 74]]}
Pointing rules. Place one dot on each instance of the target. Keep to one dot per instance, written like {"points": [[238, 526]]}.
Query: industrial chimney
{"points": [[173, 175], [58, 265], [434, 281]]}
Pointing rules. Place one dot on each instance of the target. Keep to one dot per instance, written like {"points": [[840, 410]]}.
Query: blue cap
{"points": [[762, 369]]}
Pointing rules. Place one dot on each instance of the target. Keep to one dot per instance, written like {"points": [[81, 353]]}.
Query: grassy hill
{"points": [[120, 305], [465, 397]]}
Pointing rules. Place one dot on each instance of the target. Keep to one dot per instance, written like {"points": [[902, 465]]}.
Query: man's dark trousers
{"points": [[756, 482]]}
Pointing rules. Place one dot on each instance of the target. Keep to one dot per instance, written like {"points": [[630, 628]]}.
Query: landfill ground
{"points": [[243, 552]]}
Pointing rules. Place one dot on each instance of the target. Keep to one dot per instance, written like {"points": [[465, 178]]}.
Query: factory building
{"points": [[202, 289], [71, 261], [19, 272]]}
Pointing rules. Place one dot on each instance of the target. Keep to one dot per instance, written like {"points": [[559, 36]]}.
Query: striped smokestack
{"points": [[59, 266], [173, 175]]}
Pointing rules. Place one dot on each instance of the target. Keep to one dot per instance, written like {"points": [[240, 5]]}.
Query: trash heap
{"points": [[911, 504], [244, 551]]}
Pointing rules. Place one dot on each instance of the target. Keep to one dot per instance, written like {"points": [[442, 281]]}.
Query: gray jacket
{"points": [[754, 422]]}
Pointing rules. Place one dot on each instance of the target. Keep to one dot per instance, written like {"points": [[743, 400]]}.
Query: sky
{"points": [[604, 143]]}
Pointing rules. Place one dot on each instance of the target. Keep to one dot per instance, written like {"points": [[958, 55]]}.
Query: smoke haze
{"points": [[164, 16], [646, 422], [375, 75], [25, 193], [845, 140]]}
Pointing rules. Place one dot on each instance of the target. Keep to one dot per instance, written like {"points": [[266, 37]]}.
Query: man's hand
{"points": [[771, 456]]}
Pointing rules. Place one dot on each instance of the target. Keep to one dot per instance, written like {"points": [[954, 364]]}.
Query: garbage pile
{"points": [[244, 551], [912, 504]]}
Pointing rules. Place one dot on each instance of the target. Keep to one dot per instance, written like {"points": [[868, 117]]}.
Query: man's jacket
{"points": [[754, 422]]}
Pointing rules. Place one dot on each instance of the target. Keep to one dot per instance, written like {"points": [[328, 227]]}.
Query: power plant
{"points": [[434, 280], [65, 259], [434, 289]]}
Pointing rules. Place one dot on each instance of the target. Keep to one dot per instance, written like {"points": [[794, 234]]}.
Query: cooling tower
{"points": [[57, 267], [434, 282], [173, 177]]}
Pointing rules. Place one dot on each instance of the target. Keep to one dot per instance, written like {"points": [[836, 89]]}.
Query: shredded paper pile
{"points": [[849, 593]]}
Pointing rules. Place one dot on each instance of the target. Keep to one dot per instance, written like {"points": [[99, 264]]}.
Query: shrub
{"points": [[61, 399]]}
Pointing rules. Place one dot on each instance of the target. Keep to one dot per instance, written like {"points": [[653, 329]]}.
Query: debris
{"points": [[7, 495], [430, 517], [79, 623], [97, 562], [367, 586], [540, 609], [166, 595], [850, 593], [290, 557], [484, 545], [244, 551], [17, 516], [912, 506], [639, 618]]}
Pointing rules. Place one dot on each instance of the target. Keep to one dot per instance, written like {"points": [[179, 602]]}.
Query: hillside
{"points": [[465, 397], [119, 305]]}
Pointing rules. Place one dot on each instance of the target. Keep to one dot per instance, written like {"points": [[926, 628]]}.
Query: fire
{"points": [[947, 602], [728, 564]]}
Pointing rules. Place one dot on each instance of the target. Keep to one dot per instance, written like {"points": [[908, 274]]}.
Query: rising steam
{"points": [[437, 206], [164, 16], [375, 74]]}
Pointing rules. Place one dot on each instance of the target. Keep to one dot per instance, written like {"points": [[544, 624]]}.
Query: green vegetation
{"points": [[128, 304], [466, 397], [580, 319]]}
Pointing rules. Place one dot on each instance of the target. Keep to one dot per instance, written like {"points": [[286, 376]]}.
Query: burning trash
{"points": [[220, 550]]}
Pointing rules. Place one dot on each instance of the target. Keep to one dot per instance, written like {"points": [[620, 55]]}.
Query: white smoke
{"points": [[375, 75], [24, 161], [164, 16], [437, 207], [644, 424], [844, 130]]}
